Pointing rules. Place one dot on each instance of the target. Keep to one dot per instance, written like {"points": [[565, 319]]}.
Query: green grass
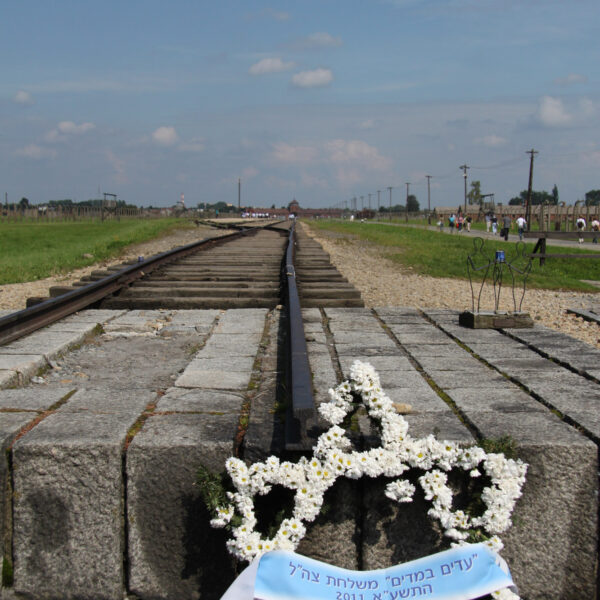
{"points": [[31, 251], [442, 255]]}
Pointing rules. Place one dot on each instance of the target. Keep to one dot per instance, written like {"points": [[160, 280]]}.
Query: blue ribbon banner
{"points": [[462, 573]]}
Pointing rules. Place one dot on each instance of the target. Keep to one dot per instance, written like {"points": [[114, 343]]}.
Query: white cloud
{"points": [[66, 128], [368, 124], [118, 165], [287, 153], [356, 151], [552, 113], [36, 152], [315, 78], [492, 141], [348, 177], [270, 65], [72, 128], [249, 172], [313, 181], [22, 97], [165, 136], [279, 15], [194, 145], [347, 161], [322, 39], [587, 107], [571, 79], [592, 158]]}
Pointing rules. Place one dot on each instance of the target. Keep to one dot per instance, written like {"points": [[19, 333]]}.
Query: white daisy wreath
{"points": [[333, 457]]}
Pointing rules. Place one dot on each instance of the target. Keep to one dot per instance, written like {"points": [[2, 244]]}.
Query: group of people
{"points": [[491, 222], [461, 223]]}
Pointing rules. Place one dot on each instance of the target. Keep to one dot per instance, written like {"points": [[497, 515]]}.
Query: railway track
{"points": [[237, 271], [261, 267]]}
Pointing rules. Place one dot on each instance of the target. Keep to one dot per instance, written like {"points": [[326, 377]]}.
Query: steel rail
{"points": [[301, 407], [31, 319]]}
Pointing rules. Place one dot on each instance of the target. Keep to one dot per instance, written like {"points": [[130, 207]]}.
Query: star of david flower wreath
{"points": [[334, 457]]}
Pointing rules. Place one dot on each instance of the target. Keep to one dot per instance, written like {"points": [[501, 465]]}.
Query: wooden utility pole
{"points": [[428, 199], [406, 207], [532, 153], [390, 188], [464, 168]]}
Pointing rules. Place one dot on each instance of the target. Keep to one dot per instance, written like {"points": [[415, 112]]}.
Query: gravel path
{"points": [[385, 283]]}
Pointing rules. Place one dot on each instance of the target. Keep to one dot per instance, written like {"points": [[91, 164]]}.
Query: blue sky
{"points": [[317, 100]]}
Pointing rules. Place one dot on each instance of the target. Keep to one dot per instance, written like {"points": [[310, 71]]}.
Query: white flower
{"points": [[334, 457], [400, 491]]}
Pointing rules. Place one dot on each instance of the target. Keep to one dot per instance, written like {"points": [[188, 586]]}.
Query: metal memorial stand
{"points": [[517, 268]]}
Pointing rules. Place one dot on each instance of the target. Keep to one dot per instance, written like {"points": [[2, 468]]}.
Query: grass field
{"points": [[441, 255], [31, 251]]}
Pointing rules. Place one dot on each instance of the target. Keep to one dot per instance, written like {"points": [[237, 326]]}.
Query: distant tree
{"points": [[474, 195], [412, 204], [272, 206], [555, 195], [24, 203], [91, 202], [542, 197], [592, 198], [395, 208], [220, 206], [62, 203]]}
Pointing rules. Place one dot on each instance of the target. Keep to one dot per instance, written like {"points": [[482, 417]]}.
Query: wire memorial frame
{"points": [[497, 266]]}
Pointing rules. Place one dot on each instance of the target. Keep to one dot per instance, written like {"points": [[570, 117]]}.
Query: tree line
{"points": [[592, 198], [66, 204]]}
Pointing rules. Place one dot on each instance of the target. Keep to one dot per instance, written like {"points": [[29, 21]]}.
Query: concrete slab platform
{"points": [[105, 402], [76, 460], [25, 366], [216, 380], [200, 401], [380, 363], [38, 398], [497, 401], [50, 344]]}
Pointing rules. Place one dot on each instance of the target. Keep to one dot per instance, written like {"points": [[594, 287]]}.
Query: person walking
{"points": [[595, 228], [521, 224], [494, 220], [580, 224], [468, 221], [506, 223], [488, 221], [459, 222], [451, 220]]}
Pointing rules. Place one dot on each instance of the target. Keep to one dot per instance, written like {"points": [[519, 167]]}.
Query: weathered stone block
{"points": [[68, 507], [552, 546], [173, 551], [10, 425]]}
